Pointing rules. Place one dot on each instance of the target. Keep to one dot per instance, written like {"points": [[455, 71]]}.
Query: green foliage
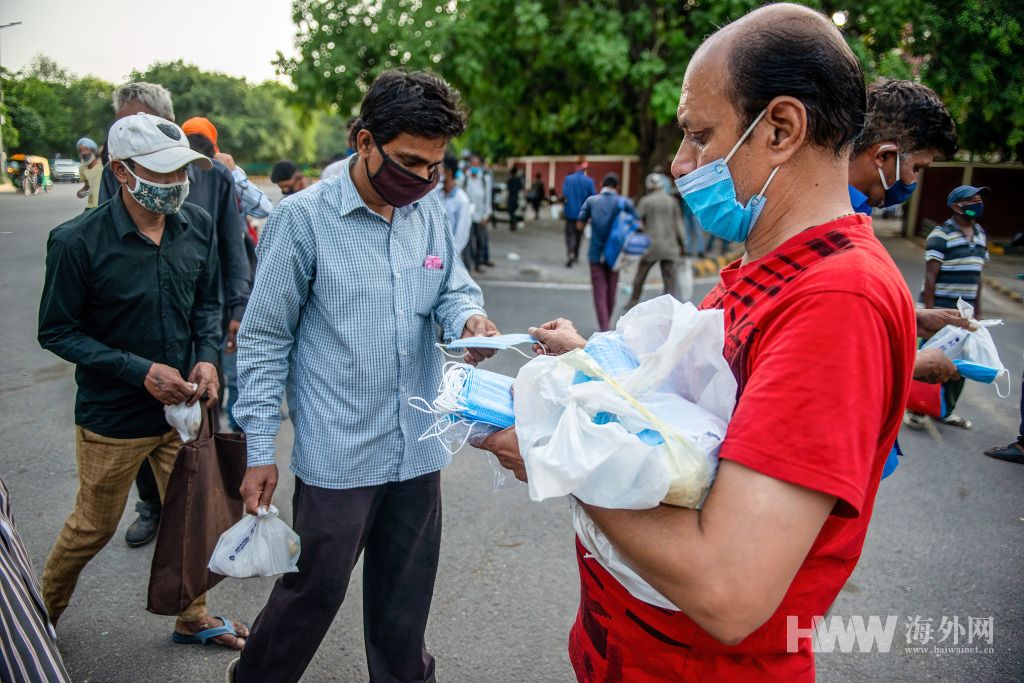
{"points": [[254, 123], [564, 76], [48, 109]]}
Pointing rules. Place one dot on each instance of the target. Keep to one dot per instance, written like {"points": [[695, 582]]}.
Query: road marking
{"points": [[573, 286]]}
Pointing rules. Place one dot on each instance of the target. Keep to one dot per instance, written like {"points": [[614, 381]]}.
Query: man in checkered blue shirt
{"points": [[354, 276]]}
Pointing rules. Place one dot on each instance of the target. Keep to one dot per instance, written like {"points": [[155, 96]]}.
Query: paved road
{"points": [[946, 540]]}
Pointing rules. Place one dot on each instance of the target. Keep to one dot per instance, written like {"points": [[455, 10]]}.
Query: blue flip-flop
{"points": [[205, 636]]}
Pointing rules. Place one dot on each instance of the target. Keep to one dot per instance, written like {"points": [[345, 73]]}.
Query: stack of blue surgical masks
{"points": [[469, 402], [610, 351]]}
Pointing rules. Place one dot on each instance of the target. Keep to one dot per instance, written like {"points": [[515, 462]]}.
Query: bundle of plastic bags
{"points": [[641, 431], [972, 351], [258, 545]]}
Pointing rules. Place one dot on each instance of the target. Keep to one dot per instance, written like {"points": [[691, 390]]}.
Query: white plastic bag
{"points": [[600, 546], [976, 346], [258, 545], [186, 419], [683, 389]]}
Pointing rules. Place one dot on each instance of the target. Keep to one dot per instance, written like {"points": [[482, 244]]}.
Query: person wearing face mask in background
{"points": [[131, 297], [456, 204], [90, 171], [356, 275], [906, 128], [819, 332], [212, 189], [251, 201], [479, 186], [288, 177], [955, 254]]}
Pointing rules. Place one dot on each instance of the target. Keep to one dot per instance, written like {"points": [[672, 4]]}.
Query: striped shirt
{"points": [[28, 643], [344, 315], [961, 261]]}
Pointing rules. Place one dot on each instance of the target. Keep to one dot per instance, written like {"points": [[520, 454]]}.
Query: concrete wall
{"points": [[554, 169]]}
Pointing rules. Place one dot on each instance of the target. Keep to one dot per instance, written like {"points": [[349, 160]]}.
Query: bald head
{"points": [[790, 50]]}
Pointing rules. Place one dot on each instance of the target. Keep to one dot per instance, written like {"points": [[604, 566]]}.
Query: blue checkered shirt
{"points": [[343, 316]]}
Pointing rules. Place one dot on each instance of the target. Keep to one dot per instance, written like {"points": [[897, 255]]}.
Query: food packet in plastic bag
{"points": [[258, 545]]}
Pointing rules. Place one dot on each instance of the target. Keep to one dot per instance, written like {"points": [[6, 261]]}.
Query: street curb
{"points": [[1005, 291]]}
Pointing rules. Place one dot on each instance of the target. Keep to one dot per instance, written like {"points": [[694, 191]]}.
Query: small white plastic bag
{"points": [[258, 545], [976, 346], [186, 419]]}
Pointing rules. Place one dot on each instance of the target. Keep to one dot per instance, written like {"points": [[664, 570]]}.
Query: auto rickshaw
{"points": [[30, 173]]}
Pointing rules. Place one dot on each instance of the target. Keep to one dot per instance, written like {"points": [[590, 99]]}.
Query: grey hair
{"points": [[654, 182], [152, 96]]}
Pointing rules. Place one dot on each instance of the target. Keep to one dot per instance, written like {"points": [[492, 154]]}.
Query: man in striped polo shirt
{"points": [[956, 252], [954, 255]]}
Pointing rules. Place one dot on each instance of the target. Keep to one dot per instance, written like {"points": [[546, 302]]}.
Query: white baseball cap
{"points": [[153, 142]]}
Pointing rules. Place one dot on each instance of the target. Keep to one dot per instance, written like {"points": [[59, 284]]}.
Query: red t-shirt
{"points": [[820, 335]]}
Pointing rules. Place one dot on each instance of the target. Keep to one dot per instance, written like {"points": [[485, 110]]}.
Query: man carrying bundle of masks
{"points": [[770, 107]]}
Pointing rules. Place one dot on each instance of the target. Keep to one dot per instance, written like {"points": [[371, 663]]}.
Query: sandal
{"points": [[956, 421], [206, 636]]}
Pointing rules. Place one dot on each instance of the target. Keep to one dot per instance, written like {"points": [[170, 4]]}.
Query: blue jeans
{"points": [[229, 366]]}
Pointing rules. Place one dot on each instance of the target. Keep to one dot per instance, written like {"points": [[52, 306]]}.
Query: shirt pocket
{"points": [[181, 283], [428, 286]]}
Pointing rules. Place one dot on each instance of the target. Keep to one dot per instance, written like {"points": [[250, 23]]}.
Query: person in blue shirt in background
{"points": [[601, 210], [576, 188], [906, 128]]}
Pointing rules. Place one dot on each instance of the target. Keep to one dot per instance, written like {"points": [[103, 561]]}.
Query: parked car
{"points": [[65, 170]]}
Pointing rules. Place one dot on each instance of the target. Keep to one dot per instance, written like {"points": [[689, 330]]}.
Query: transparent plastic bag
{"points": [[258, 545]]}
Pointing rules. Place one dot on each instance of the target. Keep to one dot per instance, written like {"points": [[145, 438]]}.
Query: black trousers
{"points": [[399, 527], [479, 244], [145, 482], [573, 237]]}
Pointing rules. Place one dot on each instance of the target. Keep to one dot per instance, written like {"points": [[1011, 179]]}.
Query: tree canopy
{"points": [[49, 109], [567, 76], [539, 76]]}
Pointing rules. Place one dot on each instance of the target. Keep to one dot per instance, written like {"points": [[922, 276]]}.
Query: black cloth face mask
{"points": [[396, 185]]}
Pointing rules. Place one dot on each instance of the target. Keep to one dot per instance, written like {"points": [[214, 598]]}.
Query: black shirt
{"points": [[214, 191], [114, 303], [514, 186]]}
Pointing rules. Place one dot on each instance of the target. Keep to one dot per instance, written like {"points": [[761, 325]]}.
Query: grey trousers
{"points": [[398, 525], [668, 279]]}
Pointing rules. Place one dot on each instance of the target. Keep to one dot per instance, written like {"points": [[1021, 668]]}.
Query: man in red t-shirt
{"points": [[820, 336]]}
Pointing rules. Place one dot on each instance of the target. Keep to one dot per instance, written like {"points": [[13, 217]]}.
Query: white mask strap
{"points": [[769, 181], [995, 383], [881, 174], [745, 135]]}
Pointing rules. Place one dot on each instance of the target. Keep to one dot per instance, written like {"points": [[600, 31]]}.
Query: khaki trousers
{"points": [[106, 471]]}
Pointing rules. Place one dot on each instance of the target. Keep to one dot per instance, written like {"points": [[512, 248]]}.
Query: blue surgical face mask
{"points": [[899, 191], [487, 397], [611, 353], [500, 342], [710, 194], [982, 373], [469, 401]]}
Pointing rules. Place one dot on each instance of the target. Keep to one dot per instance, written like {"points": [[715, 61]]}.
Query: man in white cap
{"points": [[131, 298]]}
